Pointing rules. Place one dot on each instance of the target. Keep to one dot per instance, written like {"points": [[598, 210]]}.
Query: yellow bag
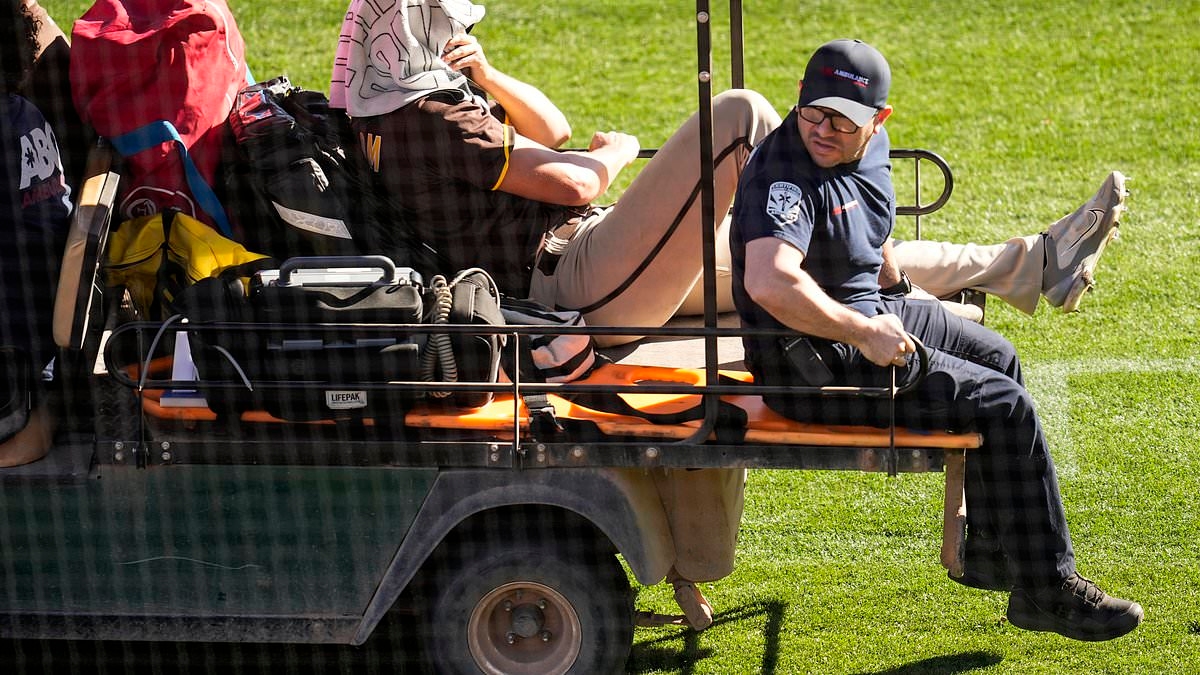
{"points": [[194, 251]]}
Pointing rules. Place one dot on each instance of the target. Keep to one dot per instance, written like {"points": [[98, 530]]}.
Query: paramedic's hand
{"points": [[622, 146], [886, 342], [464, 54]]}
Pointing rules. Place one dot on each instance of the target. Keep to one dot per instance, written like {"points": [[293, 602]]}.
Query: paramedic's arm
{"points": [[529, 111], [568, 178], [775, 282], [889, 272]]}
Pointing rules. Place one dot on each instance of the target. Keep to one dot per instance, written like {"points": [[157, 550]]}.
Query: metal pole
{"points": [[707, 212], [737, 48]]}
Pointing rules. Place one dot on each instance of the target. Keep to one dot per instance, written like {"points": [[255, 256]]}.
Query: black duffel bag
{"points": [[320, 344]]}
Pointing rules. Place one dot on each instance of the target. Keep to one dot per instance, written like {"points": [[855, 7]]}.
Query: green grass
{"points": [[1032, 103]]}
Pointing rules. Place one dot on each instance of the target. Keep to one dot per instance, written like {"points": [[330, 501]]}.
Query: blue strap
{"points": [[162, 131]]}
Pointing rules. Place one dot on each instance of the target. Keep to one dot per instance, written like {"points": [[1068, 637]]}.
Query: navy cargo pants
{"points": [[974, 383]]}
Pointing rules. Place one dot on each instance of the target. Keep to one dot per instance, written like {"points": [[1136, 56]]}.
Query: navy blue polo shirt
{"points": [[838, 217]]}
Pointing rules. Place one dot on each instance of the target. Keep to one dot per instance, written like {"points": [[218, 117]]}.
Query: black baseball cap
{"points": [[849, 76]]}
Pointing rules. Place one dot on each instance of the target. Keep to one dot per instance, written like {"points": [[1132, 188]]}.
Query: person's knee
{"points": [[1008, 359], [747, 109], [740, 97]]}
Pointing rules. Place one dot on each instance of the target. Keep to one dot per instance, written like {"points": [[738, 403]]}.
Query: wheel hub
{"points": [[524, 627]]}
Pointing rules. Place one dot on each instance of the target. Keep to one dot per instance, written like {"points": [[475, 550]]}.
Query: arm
{"points": [[530, 112], [889, 272], [567, 178], [776, 282], [536, 171]]}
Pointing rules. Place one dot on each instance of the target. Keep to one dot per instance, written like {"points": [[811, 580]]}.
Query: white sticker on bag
{"points": [[345, 400]]}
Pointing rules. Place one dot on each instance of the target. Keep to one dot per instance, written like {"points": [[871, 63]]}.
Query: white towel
{"points": [[390, 52]]}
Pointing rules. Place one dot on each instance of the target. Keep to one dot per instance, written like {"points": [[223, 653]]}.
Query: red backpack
{"points": [[158, 79]]}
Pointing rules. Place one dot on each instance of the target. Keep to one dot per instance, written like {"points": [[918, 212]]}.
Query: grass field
{"points": [[1032, 103]]}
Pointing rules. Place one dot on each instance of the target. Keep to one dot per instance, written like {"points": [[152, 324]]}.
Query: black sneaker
{"points": [[1076, 608]]}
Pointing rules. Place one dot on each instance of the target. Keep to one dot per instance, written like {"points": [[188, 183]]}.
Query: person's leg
{"points": [[973, 383], [939, 329], [693, 304], [1059, 263], [635, 265], [704, 511], [1014, 490], [1011, 271]]}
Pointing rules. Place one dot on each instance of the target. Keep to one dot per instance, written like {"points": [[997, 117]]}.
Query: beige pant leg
{"points": [[693, 304], [1011, 271], [704, 511], [646, 251]]}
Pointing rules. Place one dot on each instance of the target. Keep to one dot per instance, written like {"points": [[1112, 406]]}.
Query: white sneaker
{"points": [[1075, 242]]}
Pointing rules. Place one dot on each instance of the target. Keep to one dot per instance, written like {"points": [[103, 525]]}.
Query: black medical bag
{"points": [[313, 340]]}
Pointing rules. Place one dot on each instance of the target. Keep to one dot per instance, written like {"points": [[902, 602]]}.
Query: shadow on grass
{"points": [[944, 665], [661, 654]]}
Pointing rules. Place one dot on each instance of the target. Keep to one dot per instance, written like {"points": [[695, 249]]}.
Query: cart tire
{"points": [[532, 606]]}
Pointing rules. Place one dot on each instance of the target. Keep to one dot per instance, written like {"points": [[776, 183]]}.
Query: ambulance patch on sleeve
{"points": [[783, 203]]}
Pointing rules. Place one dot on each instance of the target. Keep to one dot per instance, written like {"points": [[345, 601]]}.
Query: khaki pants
{"points": [[635, 263], [1011, 271], [704, 511], [31, 443]]}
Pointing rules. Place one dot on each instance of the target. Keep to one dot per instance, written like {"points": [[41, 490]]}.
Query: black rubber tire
{"points": [[589, 606]]}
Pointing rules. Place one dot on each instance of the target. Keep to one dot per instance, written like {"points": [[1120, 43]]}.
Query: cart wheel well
{"points": [[524, 522], [527, 522]]}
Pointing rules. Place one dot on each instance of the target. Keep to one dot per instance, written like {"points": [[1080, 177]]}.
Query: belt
{"points": [[554, 242]]}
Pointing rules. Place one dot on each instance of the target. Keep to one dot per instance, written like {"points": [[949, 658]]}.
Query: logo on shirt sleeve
{"points": [[783, 203]]}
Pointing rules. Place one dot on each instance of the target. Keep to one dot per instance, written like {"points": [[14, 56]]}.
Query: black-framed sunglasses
{"points": [[838, 121]]}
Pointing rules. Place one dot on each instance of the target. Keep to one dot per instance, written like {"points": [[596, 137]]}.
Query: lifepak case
{"points": [[317, 342]]}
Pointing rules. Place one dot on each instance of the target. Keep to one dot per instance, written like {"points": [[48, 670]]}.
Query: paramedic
{"points": [[810, 231]]}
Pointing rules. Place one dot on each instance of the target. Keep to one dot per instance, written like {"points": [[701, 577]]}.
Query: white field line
{"points": [[1049, 383]]}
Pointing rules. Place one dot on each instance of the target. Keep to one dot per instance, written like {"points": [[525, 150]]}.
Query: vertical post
{"points": [[707, 199], [954, 513], [917, 201], [737, 62]]}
